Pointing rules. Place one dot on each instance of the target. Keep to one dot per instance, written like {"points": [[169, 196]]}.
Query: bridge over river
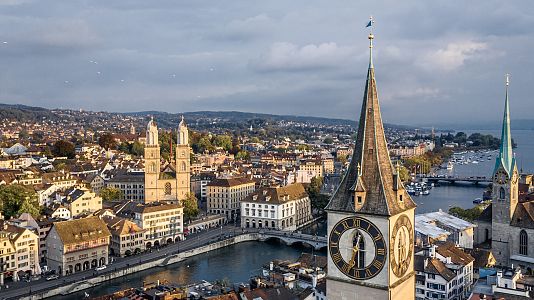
{"points": [[455, 179], [290, 238]]}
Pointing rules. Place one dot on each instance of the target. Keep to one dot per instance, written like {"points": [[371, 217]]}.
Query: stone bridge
{"points": [[291, 238]]}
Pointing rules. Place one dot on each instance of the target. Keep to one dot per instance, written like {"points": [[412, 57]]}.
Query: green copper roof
{"points": [[505, 158]]}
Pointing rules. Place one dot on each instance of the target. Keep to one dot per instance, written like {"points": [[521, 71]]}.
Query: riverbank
{"points": [[77, 286]]}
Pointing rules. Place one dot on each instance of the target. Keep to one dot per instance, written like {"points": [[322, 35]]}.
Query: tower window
{"points": [[523, 243], [359, 199], [502, 193], [168, 188], [400, 198]]}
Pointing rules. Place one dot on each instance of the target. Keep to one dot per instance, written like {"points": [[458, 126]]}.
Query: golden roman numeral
{"points": [[356, 222], [368, 273], [378, 237], [336, 232], [345, 225], [337, 257], [381, 251], [333, 245], [377, 264]]}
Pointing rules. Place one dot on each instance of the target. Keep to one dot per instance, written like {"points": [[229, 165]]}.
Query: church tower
{"points": [[152, 162], [183, 173], [505, 190], [371, 217]]}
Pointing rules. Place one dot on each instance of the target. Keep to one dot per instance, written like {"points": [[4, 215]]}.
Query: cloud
{"points": [[453, 56], [290, 57]]}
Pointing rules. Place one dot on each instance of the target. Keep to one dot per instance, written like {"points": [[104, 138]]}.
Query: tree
{"points": [[303, 147], [64, 148], [204, 144], [107, 141], [469, 214], [314, 191], [242, 155], [111, 194], [190, 204], [17, 199], [137, 149], [328, 140], [223, 141]]}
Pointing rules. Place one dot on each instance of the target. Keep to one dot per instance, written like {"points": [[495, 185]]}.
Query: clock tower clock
{"points": [[371, 217]]}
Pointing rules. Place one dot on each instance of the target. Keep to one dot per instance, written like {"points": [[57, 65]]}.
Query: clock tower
{"points": [[371, 216], [505, 190]]}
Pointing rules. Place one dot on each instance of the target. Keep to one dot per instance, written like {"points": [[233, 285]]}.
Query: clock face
{"points": [[357, 248], [401, 246], [501, 177]]}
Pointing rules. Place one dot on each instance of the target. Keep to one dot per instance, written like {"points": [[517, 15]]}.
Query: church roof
{"points": [[523, 215], [371, 153], [486, 214]]}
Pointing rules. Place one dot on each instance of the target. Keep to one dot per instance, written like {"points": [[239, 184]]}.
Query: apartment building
{"points": [[81, 200], [127, 238], [77, 245], [60, 179], [443, 272], [162, 222], [131, 184], [225, 194], [282, 208]]}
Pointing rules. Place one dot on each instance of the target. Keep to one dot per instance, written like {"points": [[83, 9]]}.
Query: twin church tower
{"points": [[172, 183]]}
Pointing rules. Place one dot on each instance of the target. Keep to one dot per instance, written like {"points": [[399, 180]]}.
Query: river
{"points": [[238, 263], [235, 263]]}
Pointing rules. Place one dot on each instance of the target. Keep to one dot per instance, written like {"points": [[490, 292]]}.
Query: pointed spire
{"points": [[370, 164], [505, 157]]}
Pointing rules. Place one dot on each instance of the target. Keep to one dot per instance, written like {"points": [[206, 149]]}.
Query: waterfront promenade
{"points": [[195, 244]]}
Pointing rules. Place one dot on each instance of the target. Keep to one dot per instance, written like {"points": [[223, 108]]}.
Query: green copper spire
{"points": [[505, 158]]}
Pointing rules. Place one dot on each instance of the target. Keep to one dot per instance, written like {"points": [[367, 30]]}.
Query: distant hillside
{"points": [[236, 116], [23, 113]]}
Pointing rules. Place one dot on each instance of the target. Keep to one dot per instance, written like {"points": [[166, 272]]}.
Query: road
{"points": [[21, 288]]}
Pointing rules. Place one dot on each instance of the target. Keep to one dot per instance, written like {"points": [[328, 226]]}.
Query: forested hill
{"points": [[23, 113], [31, 114]]}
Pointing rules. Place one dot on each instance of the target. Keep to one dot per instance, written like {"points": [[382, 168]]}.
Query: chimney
{"points": [[432, 251]]}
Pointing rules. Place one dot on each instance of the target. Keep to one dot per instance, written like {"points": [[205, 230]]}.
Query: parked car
{"points": [[52, 277], [103, 267]]}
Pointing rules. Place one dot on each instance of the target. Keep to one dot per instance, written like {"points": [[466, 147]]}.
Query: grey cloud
{"points": [[434, 60]]}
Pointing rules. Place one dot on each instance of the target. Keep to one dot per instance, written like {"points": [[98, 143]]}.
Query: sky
{"points": [[435, 61]]}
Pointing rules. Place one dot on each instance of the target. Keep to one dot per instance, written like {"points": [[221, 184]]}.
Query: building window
{"points": [[168, 188], [359, 199], [523, 243], [502, 193]]}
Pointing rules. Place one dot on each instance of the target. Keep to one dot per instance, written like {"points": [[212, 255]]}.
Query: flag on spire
{"points": [[371, 21]]}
